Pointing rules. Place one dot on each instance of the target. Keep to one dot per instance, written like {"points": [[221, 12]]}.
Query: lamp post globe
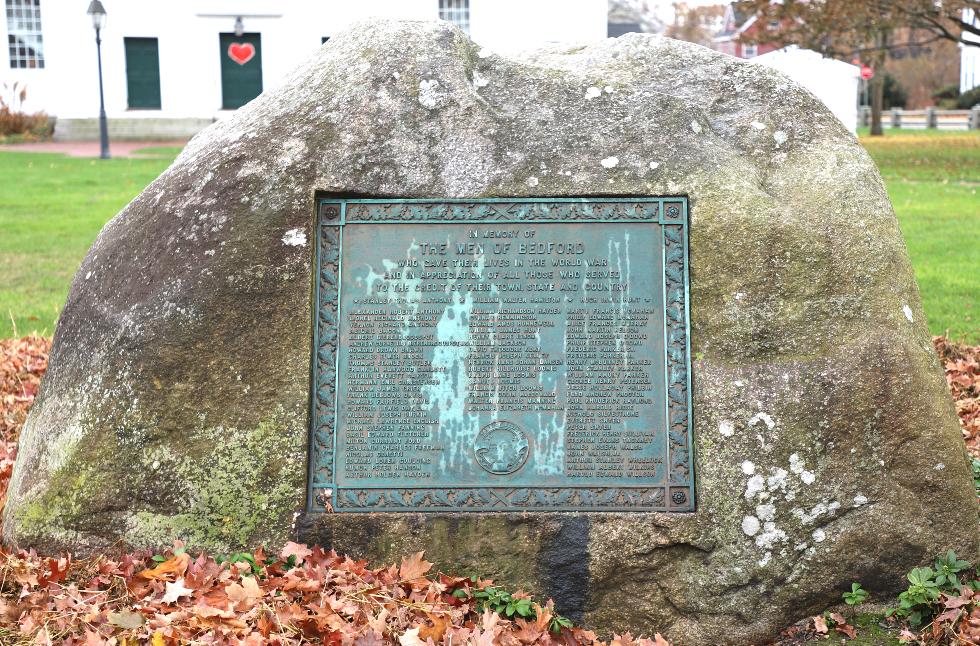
{"points": [[97, 12]]}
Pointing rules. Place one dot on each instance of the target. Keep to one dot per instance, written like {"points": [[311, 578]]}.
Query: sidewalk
{"points": [[90, 148]]}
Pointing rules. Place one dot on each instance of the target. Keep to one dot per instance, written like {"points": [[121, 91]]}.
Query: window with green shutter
{"points": [[143, 73]]}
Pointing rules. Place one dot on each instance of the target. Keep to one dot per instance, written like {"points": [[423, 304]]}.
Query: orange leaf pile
{"points": [[22, 363], [962, 365], [958, 622], [303, 596]]}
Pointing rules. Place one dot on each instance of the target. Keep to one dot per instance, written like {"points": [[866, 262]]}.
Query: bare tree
{"points": [[697, 24], [864, 28], [637, 11]]}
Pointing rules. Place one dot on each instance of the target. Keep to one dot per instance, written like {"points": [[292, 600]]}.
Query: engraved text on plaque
{"points": [[501, 355]]}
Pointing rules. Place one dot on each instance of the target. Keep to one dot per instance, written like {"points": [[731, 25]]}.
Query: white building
{"points": [[970, 55], [833, 82], [170, 68]]}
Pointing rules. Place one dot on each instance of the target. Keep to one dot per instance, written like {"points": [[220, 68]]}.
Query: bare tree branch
{"points": [[822, 25]]}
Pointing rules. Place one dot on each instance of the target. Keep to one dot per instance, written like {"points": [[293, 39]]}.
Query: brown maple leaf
{"points": [[435, 629], [300, 551], [489, 620], [626, 639], [820, 624], [951, 615], [530, 632], [58, 570], [846, 629], [960, 601], [482, 637], [413, 567], [175, 567], [244, 594], [583, 636]]}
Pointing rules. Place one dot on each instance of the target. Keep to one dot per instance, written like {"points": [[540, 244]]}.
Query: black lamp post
{"points": [[97, 11]]}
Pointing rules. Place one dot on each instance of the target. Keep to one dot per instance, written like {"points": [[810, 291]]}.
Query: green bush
{"points": [[895, 95], [947, 97], [856, 596], [508, 605], [921, 600], [969, 99]]}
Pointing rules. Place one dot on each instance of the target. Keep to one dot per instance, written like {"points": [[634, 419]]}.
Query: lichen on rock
{"points": [[219, 489]]}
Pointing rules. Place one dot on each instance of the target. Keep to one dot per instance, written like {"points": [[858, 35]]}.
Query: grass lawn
{"points": [[52, 207], [933, 179]]}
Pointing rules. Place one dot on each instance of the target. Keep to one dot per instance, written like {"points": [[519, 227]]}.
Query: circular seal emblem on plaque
{"points": [[501, 448]]}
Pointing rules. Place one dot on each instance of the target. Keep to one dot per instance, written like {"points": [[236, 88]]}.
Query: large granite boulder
{"points": [[827, 450]]}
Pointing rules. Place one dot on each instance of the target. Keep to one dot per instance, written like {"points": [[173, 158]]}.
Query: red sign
{"points": [[867, 72], [241, 53]]}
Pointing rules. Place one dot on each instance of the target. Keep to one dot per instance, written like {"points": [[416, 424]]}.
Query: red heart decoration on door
{"points": [[241, 53]]}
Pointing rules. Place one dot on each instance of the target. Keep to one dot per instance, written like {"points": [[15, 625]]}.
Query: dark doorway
{"points": [[143, 73], [241, 69]]}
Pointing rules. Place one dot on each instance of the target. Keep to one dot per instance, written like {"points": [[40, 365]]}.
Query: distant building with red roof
{"points": [[737, 31]]}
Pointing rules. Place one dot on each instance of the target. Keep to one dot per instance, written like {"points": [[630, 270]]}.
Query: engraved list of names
{"points": [[501, 365]]}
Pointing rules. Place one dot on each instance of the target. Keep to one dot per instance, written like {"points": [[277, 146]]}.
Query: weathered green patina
{"points": [[495, 355]]}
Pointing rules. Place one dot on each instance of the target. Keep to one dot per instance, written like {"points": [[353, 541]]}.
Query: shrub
{"points": [[856, 596], [947, 97], [16, 123], [894, 95], [922, 600], [969, 99]]}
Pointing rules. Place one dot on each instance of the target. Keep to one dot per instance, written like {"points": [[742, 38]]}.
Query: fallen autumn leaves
{"points": [[22, 362], [962, 364], [302, 595]]}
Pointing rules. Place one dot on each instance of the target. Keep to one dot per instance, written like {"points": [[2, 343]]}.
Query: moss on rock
{"points": [[226, 489], [240, 491]]}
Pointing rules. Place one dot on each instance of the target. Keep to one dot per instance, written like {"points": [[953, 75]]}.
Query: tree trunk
{"points": [[877, 102], [878, 81]]}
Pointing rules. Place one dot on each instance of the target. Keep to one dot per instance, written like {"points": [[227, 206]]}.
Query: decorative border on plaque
{"points": [[670, 213], [504, 498], [676, 350], [326, 326], [491, 211]]}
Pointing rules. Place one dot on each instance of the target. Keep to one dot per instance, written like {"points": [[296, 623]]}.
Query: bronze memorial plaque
{"points": [[501, 355]]}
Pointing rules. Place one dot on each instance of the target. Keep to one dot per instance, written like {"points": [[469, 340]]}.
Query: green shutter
{"points": [[240, 83], [143, 73]]}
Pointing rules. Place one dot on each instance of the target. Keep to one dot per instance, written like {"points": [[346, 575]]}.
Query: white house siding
{"points": [[970, 55], [187, 33], [833, 82], [969, 68]]}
